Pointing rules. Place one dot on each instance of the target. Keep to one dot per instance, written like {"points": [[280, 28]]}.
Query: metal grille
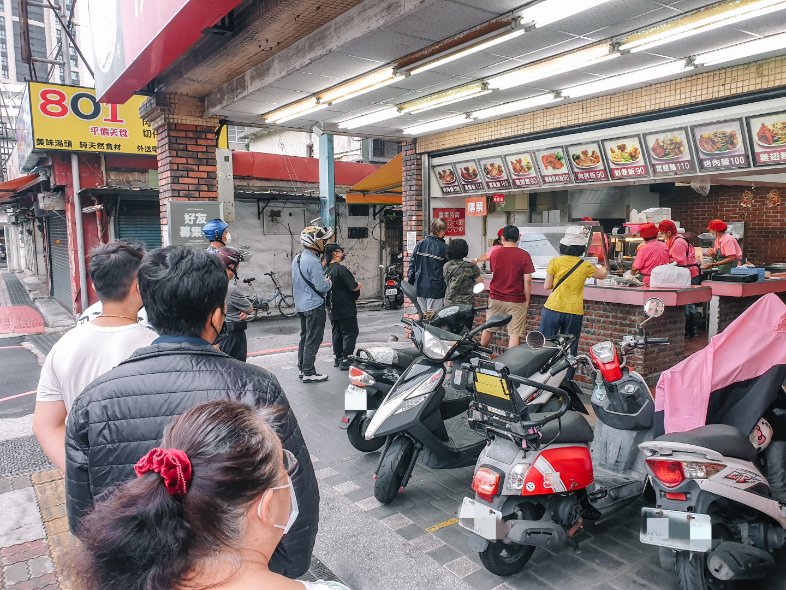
{"points": [[140, 220], [394, 234], [59, 261]]}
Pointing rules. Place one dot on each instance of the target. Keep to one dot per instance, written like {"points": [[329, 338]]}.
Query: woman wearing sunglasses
{"points": [[207, 510]]}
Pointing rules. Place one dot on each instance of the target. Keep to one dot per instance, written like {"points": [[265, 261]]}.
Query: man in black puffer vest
{"points": [[121, 415]]}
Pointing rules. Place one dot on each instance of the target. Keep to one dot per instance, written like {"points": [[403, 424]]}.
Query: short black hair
{"points": [[511, 233], [180, 287], [571, 250], [113, 268], [457, 249]]}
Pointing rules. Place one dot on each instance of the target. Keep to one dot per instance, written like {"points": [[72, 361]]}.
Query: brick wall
{"points": [[765, 229], [412, 194], [730, 308]]}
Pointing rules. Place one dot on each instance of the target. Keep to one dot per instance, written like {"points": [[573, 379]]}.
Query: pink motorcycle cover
{"points": [[750, 346]]}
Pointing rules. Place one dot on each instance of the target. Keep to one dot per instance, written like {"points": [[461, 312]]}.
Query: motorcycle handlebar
{"points": [[559, 367], [485, 349], [656, 341]]}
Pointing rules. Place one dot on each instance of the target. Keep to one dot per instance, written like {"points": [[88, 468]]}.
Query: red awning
{"points": [[262, 166], [11, 187]]}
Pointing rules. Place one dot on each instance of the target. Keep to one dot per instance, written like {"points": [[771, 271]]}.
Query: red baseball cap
{"points": [[667, 225], [717, 225], [648, 231]]}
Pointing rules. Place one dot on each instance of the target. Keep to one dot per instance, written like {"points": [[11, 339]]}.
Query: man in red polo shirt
{"points": [[511, 285]]}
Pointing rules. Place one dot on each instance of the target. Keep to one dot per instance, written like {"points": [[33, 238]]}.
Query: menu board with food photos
{"points": [[625, 158], [469, 176], [522, 170], [670, 152], [553, 166], [447, 179], [768, 139], [494, 173], [720, 145], [587, 163]]}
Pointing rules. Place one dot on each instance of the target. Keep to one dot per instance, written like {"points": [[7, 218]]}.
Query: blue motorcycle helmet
{"points": [[214, 230]]}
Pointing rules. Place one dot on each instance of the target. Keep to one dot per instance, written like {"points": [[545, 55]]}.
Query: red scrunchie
{"points": [[171, 464]]}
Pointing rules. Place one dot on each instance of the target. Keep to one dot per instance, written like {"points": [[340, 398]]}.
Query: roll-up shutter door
{"points": [[140, 220], [60, 261]]}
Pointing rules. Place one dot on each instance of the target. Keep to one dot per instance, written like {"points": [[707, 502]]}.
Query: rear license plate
{"points": [[391, 291], [355, 399], [482, 520], [683, 531]]}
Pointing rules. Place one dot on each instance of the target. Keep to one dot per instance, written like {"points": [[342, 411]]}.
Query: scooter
{"points": [[413, 414], [543, 472], [393, 297]]}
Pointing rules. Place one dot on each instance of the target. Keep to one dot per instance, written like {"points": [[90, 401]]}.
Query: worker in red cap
{"points": [[680, 250], [496, 244], [651, 254], [727, 252]]}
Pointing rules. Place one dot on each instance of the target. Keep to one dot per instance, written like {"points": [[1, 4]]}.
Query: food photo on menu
{"points": [[553, 165], [768, 133], [447, 178], [720, 145], [587, 163], [625, 157], [522, 170], [670, 152], [494, 173], [469, 176]]}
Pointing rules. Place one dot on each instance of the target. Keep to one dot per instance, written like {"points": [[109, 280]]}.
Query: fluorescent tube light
{"points": [[436, 125], [294, 110], [370, 118], [628, 79], [361, 85], [297, 115], [700, 21], [512, 107], [742, 50], [482, 46], [552, 66], [446, 97], [551, 11]]}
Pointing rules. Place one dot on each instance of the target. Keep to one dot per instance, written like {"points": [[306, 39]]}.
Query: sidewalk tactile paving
{"points": [[17, 294]]}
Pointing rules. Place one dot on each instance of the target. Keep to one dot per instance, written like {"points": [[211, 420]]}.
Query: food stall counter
{"points": [[726, 289], [730, 300]]}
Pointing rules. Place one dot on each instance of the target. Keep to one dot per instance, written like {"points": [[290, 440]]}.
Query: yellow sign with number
{"points": [[491, 385]]}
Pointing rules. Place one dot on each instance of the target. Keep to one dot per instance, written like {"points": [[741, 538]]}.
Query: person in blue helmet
{"points": [[217, 233]]}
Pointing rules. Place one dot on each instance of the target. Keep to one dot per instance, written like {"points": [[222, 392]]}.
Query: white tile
{"points": [[427, 542], [346, 487], [462, 567], [20, 521], [396, 521], [325, 472], [368, 504]]}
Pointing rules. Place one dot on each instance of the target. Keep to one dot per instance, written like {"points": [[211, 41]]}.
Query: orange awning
{"points": [[381, 187], [10, 187]]}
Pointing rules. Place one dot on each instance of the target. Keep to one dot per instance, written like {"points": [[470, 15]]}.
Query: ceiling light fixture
{"points": [[628, 79], [742, 50], [436, 125], [700, 21], [517, 105], [551, 11], [366, 83], [553, 66], [446, 97], [370, 119], [294, 110]]}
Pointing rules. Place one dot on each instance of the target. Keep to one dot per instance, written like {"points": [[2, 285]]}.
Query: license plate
{"points": [[482, 520], [683, 531], [355, 398], [391, 291]]}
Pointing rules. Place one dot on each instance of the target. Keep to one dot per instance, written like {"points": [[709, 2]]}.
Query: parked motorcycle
{"points": [[413, 414], [544, 471], [393, 297]]}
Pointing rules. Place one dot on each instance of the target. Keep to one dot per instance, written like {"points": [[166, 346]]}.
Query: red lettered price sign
{"points": [[455, 220], [70, 118]]}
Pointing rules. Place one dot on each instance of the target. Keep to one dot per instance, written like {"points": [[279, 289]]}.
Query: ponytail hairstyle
{"points": [[143, 538]]}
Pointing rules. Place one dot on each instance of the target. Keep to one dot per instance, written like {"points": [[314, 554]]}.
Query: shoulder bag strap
{"points": [[458, 266], [309, 283], [566, 275]]}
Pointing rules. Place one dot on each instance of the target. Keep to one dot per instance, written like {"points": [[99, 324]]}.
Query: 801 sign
{"points": [[55, 103]]}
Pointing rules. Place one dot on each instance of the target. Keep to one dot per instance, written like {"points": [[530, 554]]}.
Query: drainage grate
{"points": [[17, 294], [319, 571], [20, 456]]}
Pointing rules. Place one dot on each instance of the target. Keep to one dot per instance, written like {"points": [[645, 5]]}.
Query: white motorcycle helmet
{"points": [[761, 437], [315, 236]]}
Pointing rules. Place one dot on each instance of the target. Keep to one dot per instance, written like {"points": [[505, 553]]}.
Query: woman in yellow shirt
{"points": [[563, 312]]}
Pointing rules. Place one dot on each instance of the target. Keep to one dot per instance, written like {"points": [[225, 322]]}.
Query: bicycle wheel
{"points": [[286, 306]]}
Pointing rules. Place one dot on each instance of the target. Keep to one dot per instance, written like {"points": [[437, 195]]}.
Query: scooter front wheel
{"points": [[506, 559], [692, 573], [391, 472], [355, 433]]}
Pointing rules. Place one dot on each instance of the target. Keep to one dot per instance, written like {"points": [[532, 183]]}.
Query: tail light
{"points": [[669, 473], [485, 483], [359, 378], [390, 283]]}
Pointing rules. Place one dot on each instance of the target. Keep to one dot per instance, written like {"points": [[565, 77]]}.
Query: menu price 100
{"points": [[56, 104]]}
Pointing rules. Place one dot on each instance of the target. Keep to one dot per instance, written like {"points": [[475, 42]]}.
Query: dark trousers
{"points": [[312, 329], [345, 335], [234, 343], [555, 322]]}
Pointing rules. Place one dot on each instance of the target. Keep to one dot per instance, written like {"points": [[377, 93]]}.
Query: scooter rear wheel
{"points": [[391, 472], [506, 559], [355, 432], [692, 573]]}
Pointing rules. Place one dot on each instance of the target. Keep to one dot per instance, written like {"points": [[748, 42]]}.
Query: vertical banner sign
{"points": [[625, 158], [447, 179], [522, 170], [469, 177], [720, 146], [412, 240], [553, 166], [586, 162], [494, 174], [476, 206], [670, 152], [186, 219], [455, 220], [768, 139]]}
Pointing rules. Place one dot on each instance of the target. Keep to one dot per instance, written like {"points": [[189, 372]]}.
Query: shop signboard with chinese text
{"points": [[720, 145], [454, 218], [553, 166], [522, 170], [768, 139], [625, 158], [495, 176], [469, 176], [587, 163], [476, 206], [670, 152], [447, 179], [186, 219]]}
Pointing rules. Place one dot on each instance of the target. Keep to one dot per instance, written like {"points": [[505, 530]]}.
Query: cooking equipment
{"points": [[730, 278]]}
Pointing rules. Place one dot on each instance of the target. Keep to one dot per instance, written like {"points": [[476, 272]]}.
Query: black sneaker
{"points": [[315, 378], [300, 375], [344, 366], [336, 361]]}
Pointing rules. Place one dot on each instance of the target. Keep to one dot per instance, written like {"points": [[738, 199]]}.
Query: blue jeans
{"points": [[553, 323], [312, 329]]}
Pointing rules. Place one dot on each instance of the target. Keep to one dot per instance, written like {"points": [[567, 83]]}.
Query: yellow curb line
{"points": [[442, 525]]}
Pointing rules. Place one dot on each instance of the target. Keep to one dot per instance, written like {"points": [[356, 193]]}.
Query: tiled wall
{"points": [[412, 195]]}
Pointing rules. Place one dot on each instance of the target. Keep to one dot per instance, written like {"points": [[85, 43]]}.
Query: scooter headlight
{"points": [[436, 348], [515, 480], [426, 386], [604, 351]]}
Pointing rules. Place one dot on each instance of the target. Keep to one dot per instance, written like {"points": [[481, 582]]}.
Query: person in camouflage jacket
{"points": [[460, 275]]}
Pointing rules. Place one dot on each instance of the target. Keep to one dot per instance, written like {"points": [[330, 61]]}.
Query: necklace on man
{"points": [[125, 317]]}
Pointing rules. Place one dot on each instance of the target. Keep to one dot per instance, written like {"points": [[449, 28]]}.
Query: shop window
{"points": [[358, 210], [383, 149], [357, 233]]}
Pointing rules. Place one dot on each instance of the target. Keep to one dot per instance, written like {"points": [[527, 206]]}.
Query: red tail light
{"points": [[359, 378], [676, 496], [485, 483], [669, 473], [390, 283]]}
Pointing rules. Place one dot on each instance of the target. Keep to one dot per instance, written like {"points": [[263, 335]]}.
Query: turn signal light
{"points": [[485, 483], [359, 378], [669, 473]]}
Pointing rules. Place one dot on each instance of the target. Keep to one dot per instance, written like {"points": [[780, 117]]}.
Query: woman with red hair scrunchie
{"points": [[727, 252]]}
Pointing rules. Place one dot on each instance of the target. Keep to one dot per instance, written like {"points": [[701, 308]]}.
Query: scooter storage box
{"points": [[735, 278]]}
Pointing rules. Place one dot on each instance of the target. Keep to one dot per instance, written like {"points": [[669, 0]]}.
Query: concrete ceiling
{"points": [[377, 32]]}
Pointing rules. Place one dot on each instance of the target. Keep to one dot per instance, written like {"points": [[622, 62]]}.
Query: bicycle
{"points": [[286, 303]]}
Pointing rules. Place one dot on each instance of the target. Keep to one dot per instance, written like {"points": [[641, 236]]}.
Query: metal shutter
{"points": [[140, 220], [60, 261]]}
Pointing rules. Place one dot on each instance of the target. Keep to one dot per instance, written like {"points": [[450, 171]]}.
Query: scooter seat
{"points": [[571, 428], [722, 438], [524, 360], [405, 356]]}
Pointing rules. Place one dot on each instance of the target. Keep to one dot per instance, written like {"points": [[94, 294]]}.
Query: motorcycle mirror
{"points": [[412, 295], [478, 288], [493, 322], [535, 339], [653, 307]]}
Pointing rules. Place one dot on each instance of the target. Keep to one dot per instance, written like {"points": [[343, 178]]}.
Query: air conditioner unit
{"points": [[51, 201]]}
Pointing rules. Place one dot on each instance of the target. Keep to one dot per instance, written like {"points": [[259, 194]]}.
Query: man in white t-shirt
{"points": [[93, 348]]}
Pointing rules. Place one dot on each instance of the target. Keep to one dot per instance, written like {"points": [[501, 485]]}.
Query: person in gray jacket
{"points": [[121, 415]]}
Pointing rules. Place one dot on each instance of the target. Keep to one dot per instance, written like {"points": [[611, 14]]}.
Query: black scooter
{"points": [[393, 296]]}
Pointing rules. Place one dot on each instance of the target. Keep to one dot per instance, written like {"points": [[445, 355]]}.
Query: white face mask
{"points": [[227, 238], [293, 507]]}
